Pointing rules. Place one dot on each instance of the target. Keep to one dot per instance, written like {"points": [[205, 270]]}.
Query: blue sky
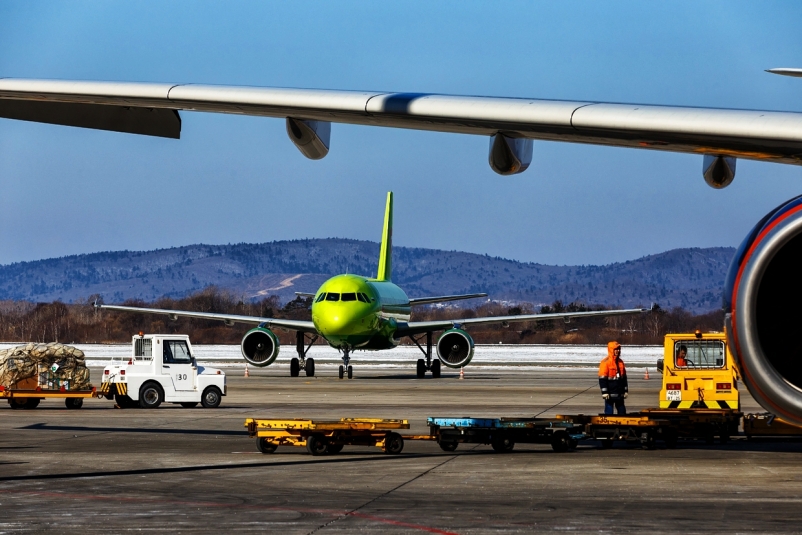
{"points": [[233, 179]]}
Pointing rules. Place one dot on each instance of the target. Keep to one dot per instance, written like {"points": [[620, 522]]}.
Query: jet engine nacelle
{"points": [[509, 155], [763, 302], [260, 346], [719, 171], [455, 348], [311, 137]]}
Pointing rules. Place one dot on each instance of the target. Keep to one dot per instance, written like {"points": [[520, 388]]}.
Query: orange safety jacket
{"points": [[613, 374]]}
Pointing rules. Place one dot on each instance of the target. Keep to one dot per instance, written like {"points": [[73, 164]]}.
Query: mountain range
{"points": [[688, 278]]}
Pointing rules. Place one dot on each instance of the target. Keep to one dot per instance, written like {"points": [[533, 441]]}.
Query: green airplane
{"points": [[353, 312]]}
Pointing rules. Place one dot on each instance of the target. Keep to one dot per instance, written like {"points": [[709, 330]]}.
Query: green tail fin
{"points": [[385, 272]]}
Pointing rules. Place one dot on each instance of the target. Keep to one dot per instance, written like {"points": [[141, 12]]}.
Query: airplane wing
{"points": [[152, 109], [786, 72], [228, 319], [443, 298], [419, 327]]}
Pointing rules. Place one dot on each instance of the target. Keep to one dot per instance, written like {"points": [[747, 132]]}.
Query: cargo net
{"points": [[48, 366]]}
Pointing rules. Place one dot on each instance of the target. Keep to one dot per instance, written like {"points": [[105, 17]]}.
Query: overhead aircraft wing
{"points": [[419, 327], [442, 298], [228, 319], [151, 109]]}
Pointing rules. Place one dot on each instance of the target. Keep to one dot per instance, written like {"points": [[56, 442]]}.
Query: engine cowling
{"points": [[762, 298], [260, 346], [455, 348]]}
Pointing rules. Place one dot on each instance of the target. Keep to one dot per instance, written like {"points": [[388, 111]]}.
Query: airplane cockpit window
{"points": [[362, 297], [332, 297], [349, 297], [699, 354], [320, 298]]}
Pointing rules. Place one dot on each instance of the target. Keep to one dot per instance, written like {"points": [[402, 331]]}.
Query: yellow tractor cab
{"points": [[698, 373]]}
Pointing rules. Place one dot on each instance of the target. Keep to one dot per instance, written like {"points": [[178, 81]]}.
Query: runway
{"points": [[101, 469]]}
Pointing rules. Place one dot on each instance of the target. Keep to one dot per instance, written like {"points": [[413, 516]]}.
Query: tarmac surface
{"points": [[101, 469]]}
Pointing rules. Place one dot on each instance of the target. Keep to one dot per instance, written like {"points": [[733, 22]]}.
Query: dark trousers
{"points": [[618, 403]]}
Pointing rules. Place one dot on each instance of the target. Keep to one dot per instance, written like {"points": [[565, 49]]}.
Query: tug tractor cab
{"points": [[698, 373], [162, 369]]}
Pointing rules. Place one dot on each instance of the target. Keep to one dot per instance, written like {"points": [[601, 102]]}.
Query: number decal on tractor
{"points": [[180, 377]]}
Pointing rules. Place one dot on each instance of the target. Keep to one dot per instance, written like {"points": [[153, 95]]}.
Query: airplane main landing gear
{"points": [[345, 367], [427, 364], [308, 364]]}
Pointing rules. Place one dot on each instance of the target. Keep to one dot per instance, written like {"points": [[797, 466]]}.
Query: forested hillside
{"points": [[687, 278]]}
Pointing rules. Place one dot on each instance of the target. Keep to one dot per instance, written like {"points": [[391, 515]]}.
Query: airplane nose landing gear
{"points": [[345, 366]]}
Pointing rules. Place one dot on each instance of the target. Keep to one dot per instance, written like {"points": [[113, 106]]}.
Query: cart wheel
{"points": [[724, 438], [150, 396], [421, 370], [334, 448], [350, 372], [265, 446], [74, 403], [436, 368], [607, 443], [502, 445], [316, 445], [648, 442], [31, 403], [17, 403], [393, 443], [448, 446], [310, 367], [295, 367], [671, 438], [572, 444], [560, 442], [211, 397], [342, 371], [189, 404]]}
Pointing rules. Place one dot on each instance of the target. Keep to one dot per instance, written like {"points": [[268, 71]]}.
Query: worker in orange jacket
{"points": [[613, 380]]}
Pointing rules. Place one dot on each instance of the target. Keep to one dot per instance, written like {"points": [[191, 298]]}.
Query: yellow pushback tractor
{"points": [[698, 372]]}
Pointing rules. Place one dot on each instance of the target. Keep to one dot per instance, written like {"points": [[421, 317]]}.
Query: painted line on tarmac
{"points": [[129, 499]]}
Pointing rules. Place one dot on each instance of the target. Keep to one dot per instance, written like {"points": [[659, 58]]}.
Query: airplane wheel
{"points": [[421, 368], [350, 372], [342, 371], [295, 368], [436, 368], [310, 367]]}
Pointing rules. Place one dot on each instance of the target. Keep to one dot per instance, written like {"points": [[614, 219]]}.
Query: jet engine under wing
{"points": [[760, 135], [228, 319], [442, 299], [418, 327]]}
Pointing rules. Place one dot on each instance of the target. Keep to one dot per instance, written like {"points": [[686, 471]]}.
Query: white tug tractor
{"points": [[161, 369]]}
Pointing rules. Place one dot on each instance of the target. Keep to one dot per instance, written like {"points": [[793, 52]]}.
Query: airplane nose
{"points": [[339, 323]]}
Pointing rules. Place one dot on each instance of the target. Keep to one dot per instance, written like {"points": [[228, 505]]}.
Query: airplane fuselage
{"points": [[356, 312]]}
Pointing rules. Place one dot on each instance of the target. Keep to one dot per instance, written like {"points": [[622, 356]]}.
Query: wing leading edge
{"points": [[419, 327], [149, 109], [228, 319]]}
